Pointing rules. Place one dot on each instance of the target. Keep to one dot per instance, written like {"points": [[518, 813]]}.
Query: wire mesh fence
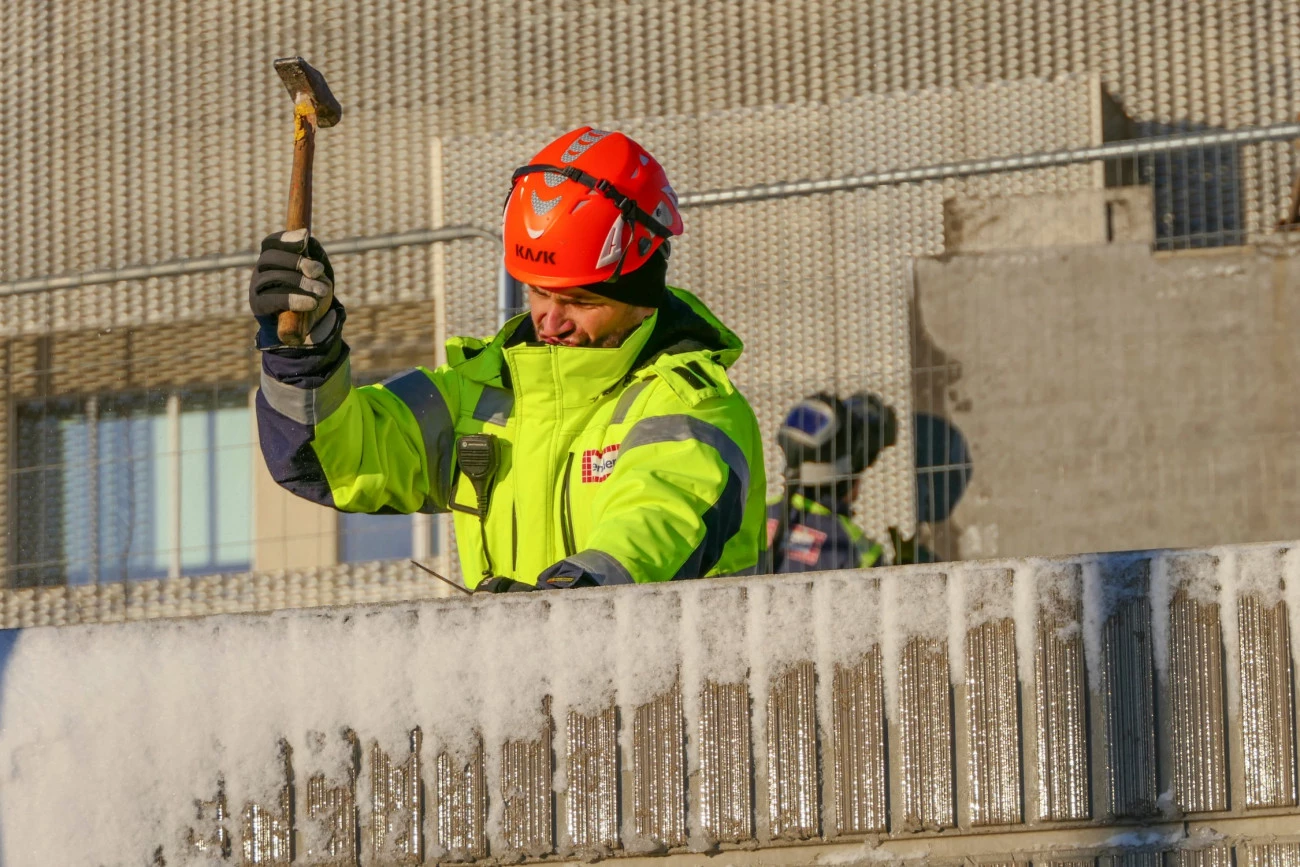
{"points": [[149, 475], [820, 223]]}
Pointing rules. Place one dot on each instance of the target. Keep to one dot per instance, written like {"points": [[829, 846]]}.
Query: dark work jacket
{"points": [[812, 538]]}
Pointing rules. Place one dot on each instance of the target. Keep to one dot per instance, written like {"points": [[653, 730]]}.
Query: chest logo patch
{"points": [[805, 544], [597, 464]]}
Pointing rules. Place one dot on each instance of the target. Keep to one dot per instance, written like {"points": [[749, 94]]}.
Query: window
{"points": [[118, 487], [385, 537]]}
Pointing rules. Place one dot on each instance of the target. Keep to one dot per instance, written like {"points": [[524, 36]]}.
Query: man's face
{"points": [[576, 317]]}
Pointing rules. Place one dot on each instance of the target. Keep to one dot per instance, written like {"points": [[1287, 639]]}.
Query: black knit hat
{"points": [[644, 287]]}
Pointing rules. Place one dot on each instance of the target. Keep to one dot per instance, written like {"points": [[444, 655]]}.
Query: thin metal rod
{"points": [[993, 165], [1113, 150], [222, 261], [448, 581]]}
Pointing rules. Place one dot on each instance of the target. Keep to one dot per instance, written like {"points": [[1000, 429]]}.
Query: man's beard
{"points": [[614, 340]]}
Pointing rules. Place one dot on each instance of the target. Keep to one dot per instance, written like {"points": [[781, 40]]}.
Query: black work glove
{"points": [[502, 585], [566, 574], [292, 273]]}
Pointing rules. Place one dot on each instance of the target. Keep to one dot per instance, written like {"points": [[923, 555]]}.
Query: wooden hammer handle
{"points": [[292, 326]]}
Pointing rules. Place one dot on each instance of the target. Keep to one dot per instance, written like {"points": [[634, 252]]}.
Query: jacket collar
{"points": [[682, 324]]}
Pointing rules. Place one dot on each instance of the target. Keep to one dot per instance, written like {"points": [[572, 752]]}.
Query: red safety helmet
{"points": [[590, 207]]}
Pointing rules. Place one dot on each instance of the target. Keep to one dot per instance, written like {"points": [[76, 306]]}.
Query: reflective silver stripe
{"points": [[630, 394], [494, 405], [437, 429], [679, 428], [601, 566], [309, 405]]}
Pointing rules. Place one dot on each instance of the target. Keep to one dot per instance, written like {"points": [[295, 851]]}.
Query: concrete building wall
{"points": [[1114, 398]]}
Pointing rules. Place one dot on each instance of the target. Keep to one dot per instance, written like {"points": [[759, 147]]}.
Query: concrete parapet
{"points": [[1123, 706]]}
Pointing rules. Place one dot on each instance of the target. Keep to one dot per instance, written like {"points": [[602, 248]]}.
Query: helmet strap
{"points": [[627, 206]]}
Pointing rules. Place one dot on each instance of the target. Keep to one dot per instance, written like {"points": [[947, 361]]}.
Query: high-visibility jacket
{"points": [[635, 464], [804, 535]]}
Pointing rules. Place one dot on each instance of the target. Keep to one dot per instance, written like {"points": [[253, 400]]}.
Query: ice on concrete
{"points": [[916, 604], [109, 734]]}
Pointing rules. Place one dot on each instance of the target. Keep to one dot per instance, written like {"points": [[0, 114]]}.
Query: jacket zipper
{"points": [[566, 518], [514, 539]]}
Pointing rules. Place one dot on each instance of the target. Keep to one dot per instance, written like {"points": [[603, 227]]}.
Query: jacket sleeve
{"points": [[685, 484], [378, 448]]}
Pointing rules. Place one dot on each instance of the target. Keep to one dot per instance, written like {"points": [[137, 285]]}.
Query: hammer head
{"points": [[300, 77]]}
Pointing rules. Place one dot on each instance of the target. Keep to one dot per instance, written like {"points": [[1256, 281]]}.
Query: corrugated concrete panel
{"points": [[860, 778], [1061, 696], [993, 722], [925, 763], [331, 838], [591, 798], [1128, 693], [1269, 855], [794, 796], [659, 771], [1267, 704], [329, 832], [991, 693], [397, 805], [1196, 695], [461, 791], [209, 836], [527, 797], [266, 832], [1134, 859], [266, 836], [726, 763], [1213, 856]]}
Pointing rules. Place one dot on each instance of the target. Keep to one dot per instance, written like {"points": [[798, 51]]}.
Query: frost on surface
{"points": [[1109, 582], [161, 715], [917, 606], [1199, 577], [976, 595]]}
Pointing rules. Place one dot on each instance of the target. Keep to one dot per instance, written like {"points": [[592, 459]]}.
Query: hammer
{"points": [[313, 106]]}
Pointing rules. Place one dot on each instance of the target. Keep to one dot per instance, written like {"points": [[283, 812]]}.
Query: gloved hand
{"points": [[908, 550], [503, 585], [292, 273]]}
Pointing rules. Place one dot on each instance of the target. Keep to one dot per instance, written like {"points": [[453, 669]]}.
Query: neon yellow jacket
{"points": [[641, 463]]}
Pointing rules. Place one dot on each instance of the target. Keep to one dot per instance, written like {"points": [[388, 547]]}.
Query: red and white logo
{"points": [[805, 544], [597, 464]]}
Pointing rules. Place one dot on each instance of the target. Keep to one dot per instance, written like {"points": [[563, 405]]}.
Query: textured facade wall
{"points": [[1116, 398], [140, 132]]}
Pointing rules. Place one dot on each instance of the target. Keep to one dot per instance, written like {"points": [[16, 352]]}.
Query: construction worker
{"points": [[595, 440], [827, 444]]}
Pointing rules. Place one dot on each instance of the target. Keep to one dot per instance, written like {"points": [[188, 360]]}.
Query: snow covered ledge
{"points": [[978, 710]]}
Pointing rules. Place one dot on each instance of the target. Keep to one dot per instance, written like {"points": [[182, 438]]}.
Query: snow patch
{"points": [[918, 608], [1109, 581], [976, 596], [1291, 590]]}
